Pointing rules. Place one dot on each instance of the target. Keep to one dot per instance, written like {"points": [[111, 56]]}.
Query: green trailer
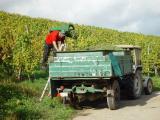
{"points": [[89, 75]]}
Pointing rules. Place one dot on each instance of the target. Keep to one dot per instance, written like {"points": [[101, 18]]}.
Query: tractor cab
{"points": [[136, 54]]}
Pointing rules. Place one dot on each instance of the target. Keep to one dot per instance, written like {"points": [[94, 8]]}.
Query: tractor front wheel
{"points": [[149, 88]]}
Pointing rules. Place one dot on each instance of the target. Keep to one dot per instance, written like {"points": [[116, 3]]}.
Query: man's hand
{"points": [[59, 47], [62, 47], [58, 50]]}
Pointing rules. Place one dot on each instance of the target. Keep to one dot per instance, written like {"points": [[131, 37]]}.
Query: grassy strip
{"points": [[20, 101], [156, 83]]}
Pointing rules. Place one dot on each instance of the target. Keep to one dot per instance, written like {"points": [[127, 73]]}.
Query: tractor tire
{"points": [[114, 98], [73, 101], [149, 88], [134, 86]]}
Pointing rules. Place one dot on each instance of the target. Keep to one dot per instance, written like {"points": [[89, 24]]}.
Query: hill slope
{"points": [[22, 38]]}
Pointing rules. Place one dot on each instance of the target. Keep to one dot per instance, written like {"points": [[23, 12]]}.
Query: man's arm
{"points": [[62, 46], [55, 46]]}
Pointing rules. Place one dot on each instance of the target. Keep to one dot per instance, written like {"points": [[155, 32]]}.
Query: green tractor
{"points": [[77, 76]]}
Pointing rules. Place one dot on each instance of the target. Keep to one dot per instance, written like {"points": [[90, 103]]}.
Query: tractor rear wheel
{"points": [[135, 85], [113, 96]]}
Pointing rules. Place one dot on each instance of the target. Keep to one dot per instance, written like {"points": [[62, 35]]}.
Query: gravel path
{"points": [[145, 108]]}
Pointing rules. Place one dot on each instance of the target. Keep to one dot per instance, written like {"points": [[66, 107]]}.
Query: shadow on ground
{"points": [[100, 104], [138, 102]]}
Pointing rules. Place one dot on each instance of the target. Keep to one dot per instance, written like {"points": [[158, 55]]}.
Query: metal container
{"points": [[88, 64]]}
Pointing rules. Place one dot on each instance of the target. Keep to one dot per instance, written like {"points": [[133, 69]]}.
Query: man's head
{"points": [[62, 33]]}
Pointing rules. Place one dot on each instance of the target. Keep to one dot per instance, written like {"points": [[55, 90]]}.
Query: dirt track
{"points": [[145, 108]]}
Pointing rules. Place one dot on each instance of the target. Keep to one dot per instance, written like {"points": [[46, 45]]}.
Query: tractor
{"points": [[90, 75]]}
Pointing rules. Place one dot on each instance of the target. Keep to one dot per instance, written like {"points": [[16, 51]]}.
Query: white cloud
{"points": [[126, 15]]}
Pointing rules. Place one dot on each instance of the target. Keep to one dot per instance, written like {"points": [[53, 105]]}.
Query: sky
{"points": [[140, 16]]}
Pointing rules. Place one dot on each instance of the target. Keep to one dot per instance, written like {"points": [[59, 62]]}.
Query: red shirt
{"points": [[53, 36]]}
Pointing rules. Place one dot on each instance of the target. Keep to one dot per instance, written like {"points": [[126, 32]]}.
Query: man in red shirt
{"points": [[54, 40]]}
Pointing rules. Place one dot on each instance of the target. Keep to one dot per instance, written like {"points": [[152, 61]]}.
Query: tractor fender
{"points": [[137, 67], [146, 79]]}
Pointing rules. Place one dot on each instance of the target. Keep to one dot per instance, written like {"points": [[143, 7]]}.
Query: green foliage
{"points": [[156, 83], [21, 43], [22, 39], [18, 101]]}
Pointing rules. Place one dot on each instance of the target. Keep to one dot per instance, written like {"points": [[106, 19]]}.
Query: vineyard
{"points": [[21, 48], [22, 40]]}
